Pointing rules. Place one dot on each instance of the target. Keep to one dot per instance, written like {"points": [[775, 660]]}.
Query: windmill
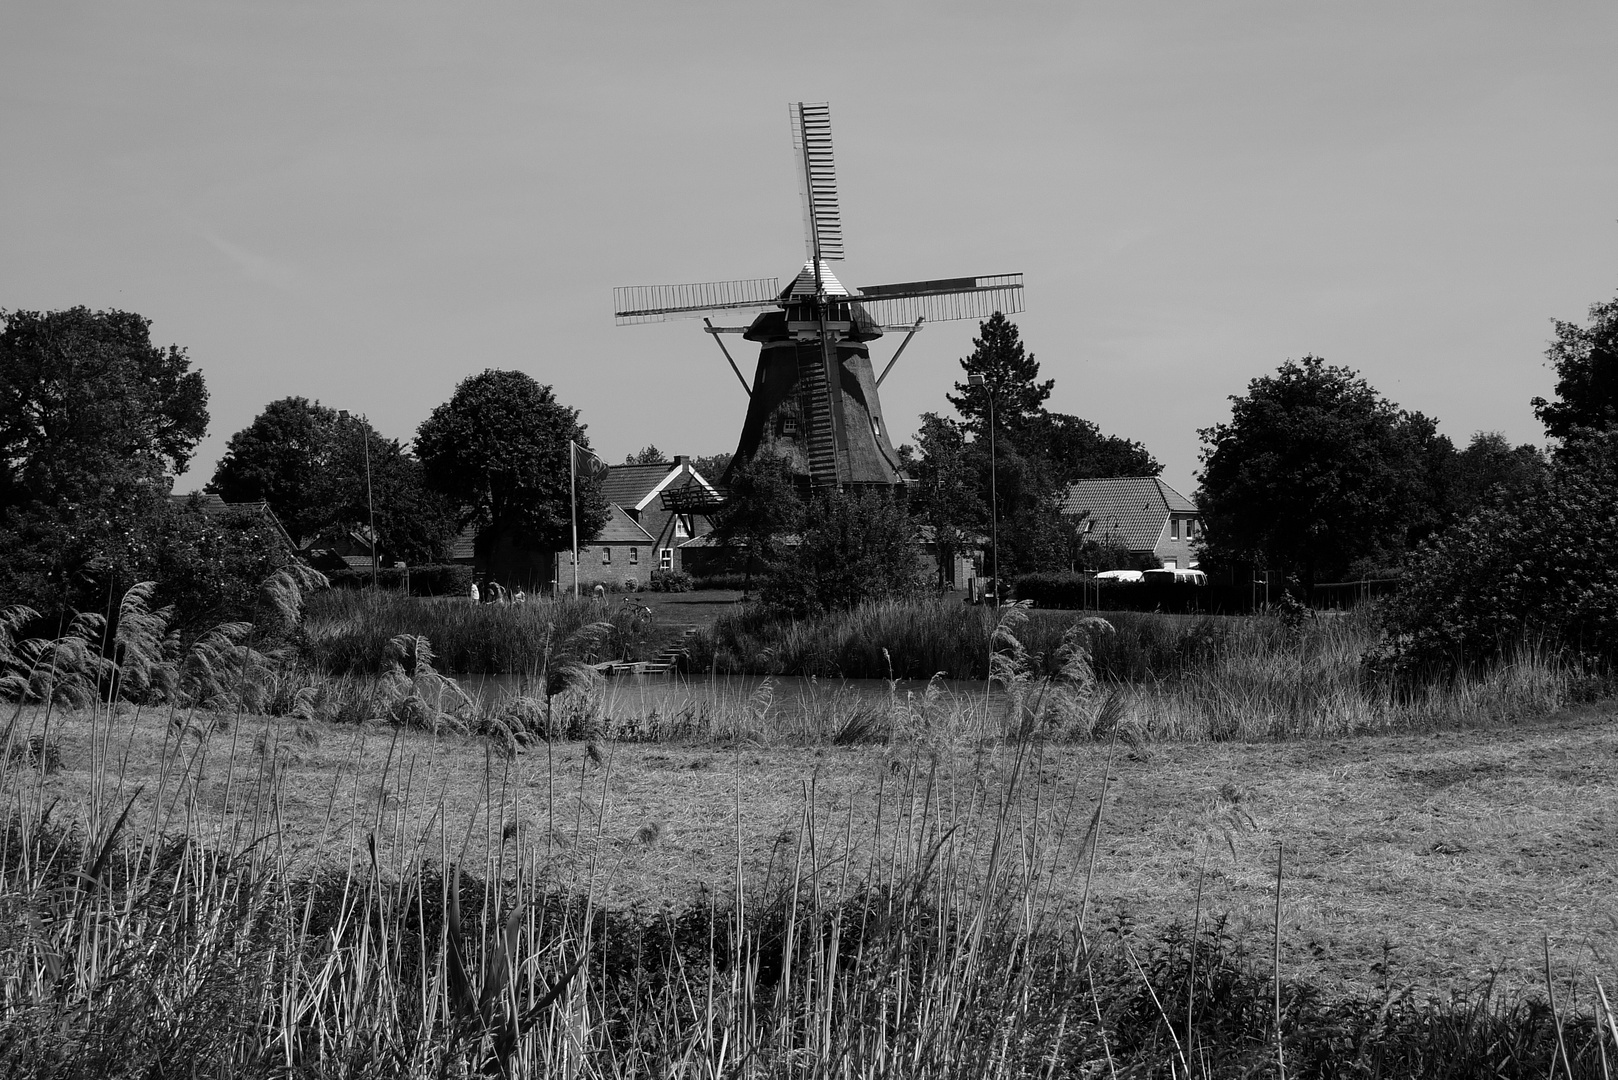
{"points": [[813, 398]]}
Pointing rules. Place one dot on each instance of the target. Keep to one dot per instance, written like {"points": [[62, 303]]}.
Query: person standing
{"points": [[474, 592]]}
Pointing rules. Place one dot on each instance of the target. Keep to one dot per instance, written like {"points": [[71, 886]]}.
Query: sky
{"points": [[365, 203]]}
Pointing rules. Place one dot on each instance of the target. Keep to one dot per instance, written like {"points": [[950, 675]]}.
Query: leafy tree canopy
{"points": [[498, 449], [761, 506], [1077, 450], [94, 422], [711, 466], [1532, 564], [1314, 471], [648, 455], [1586, 363], [853, 547], [309, 462]]}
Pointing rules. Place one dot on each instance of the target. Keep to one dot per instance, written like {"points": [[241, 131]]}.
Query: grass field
{"points": [[1448, 856], [1163, 848]]}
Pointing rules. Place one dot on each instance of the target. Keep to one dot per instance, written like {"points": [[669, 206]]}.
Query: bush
{"points": [[671, 581], [855, 547], [446, 579], [1539, 568]]}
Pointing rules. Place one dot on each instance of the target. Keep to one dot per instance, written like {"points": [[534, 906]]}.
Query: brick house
{"points": [[642, 533], [1141, 514]]}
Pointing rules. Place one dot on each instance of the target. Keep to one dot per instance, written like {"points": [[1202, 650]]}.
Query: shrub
{"points": [[1540, 567], [671, 581], [854, 547]]}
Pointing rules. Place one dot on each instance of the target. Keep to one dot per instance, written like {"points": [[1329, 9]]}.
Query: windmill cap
{"points": [[804, 283]]}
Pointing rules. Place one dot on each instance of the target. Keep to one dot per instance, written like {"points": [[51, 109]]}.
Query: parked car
{"points": [[1167, 576]]}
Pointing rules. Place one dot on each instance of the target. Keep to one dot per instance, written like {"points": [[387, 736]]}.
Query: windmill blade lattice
{"points": [[817, 180], [941, 300], [658, 303]]}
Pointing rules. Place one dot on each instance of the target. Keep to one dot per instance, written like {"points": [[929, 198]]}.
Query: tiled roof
{"points": [[630, 486], [1133, 508], [619, 529], [627, 485]]}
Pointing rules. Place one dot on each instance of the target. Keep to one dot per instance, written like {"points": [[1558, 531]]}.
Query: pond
{"points": [[774, 697]]}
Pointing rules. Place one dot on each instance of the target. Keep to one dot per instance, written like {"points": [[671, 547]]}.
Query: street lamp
{"points": [[973, 379]]}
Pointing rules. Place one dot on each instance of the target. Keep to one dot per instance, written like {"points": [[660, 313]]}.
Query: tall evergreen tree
{"points": [[1009, 373]]}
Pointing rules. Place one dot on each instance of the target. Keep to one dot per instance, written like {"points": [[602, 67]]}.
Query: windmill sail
{"points": [[813, 398], [817, 180], [657, 303], [942, 300]]}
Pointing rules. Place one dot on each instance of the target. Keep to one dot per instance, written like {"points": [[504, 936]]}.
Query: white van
{"points": [[1182, 577]]}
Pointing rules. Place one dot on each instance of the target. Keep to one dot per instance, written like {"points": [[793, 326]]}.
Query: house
{"points": [[1141, 514], [655, 510], [340, 548]]}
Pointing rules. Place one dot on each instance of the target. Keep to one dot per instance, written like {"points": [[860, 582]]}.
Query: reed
{"points": [[346, 632], [166, 928]]}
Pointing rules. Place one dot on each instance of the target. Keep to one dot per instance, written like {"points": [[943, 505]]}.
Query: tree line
{"points": [[1315, 476]]}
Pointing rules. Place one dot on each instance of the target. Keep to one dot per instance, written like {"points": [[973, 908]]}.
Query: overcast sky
{"points": [[365, 203]]}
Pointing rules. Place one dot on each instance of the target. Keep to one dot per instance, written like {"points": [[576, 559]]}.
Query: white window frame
{"points": [[606, 555], [665, 558], [634, 556]]}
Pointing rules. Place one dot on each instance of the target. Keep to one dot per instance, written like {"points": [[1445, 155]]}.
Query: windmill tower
{"points": [[813, 398]]}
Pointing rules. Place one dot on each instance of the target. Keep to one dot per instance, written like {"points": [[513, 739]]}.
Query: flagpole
{"points": [[573, 490]]}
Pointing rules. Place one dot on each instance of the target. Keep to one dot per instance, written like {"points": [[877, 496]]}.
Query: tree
{"points": [[1077, 450], [319, 469], [95, 421], [761, 506], [946, 494], [1532, 564], [711, 466], [1491, 465], [648, 455], [1586, 363], [855, 547], [1314, 471], [1009, 374], [280, 458], [498, 450], [1035, 455]]}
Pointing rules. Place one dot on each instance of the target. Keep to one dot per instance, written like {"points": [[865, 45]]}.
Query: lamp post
{"points": [[994, 501]]}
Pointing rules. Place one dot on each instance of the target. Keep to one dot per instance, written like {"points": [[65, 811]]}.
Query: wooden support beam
{"points": [[897, 352], [716, 331]]}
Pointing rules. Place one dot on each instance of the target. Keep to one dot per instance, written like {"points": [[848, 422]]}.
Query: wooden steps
{"points": [[666, 661]]}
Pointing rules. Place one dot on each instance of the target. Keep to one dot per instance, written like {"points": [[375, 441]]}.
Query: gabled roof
{"points": [[619, 529], [1132, 508], [635, 486]]}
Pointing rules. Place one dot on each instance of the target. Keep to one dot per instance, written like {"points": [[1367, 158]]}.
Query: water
{"points": [[627, 696]]}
